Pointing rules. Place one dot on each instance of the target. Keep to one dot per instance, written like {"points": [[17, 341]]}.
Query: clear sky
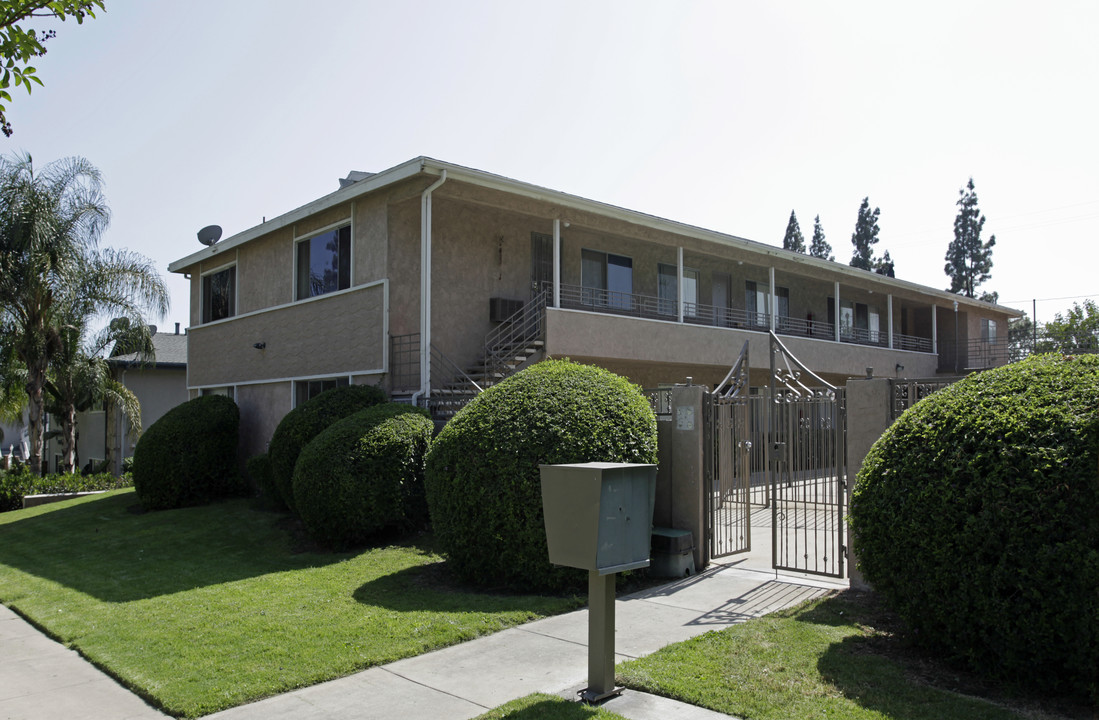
{"points": [[723, 114]]}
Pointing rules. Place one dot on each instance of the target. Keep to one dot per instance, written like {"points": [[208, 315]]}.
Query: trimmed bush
{"points": [[189, 456], [976, 515], [483, 483], [304, 422], [364, 475]]}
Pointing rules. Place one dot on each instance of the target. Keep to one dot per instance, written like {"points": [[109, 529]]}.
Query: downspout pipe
{"points": [[425, 289]]}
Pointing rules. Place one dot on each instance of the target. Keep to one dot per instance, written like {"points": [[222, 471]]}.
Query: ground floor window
{"points": [[305, 390]]}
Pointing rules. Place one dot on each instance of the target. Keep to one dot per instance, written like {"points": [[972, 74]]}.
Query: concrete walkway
{"points": [[41, 679]]}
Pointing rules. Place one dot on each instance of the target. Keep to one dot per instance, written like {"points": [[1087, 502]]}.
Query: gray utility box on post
{"points": [[599, 518]]}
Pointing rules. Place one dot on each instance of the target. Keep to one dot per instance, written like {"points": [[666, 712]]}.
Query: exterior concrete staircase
{"points": [[512, 345]]}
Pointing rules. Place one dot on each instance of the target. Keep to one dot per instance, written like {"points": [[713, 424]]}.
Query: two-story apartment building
{"points": [[415, 277]]}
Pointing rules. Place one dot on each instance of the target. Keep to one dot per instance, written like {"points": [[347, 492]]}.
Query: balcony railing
{"points": [[975, 354], [574, 297]]}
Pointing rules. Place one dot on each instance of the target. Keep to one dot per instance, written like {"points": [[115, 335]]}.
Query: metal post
{"points": [[600, 638], [1034, 325], [955, 337]]}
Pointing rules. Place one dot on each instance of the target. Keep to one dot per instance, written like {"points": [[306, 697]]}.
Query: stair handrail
{"points": [[523, 326], [440, 363]]}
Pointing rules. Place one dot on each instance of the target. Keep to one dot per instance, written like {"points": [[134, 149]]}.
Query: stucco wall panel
{"points": [[622, 340], [403, 260], [331, 335], [265, 272], [370, 235], [262, 407]]}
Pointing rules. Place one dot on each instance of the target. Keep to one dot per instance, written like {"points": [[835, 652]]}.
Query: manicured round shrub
{"points": [[304, 422], [483, 483], [364, 475], [976, 515], [189, 455]]}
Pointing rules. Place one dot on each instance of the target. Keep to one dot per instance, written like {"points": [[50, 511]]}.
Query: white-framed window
{"points": [[757, 301], [667, 288], [667, 281], [323, 263], [305, 390], [607, 279], [988, 330], [219, 294], [228, 391]]}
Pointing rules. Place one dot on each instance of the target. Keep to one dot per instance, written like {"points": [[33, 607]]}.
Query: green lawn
{"points": [[547, 707], [205, 608], [836, 657]]}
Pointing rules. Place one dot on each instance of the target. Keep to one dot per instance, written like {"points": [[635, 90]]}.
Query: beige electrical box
{"points": [[599, 516]]}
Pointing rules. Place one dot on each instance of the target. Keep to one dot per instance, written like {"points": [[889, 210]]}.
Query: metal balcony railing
{"points": [[575, 297]]}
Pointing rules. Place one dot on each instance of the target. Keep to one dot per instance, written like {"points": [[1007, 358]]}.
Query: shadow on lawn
{"points": [[433, 588], [550, 709], [103, 548]]}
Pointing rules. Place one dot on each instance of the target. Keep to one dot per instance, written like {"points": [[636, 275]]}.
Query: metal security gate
{"points": [[807, 465], [729, 498]]}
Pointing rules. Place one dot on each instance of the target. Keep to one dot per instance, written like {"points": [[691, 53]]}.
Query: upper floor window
{"points": [[757, 303], [667, 281], [219, 294], [607, 279], [324, 263]]}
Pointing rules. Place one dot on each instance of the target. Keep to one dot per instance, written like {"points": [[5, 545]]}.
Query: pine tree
{"points": [[794, 240], [820, 247], [865, 236], [968, 260], [884, 266]]}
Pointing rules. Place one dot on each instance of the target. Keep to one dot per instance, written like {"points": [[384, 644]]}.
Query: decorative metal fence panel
{"points": [[907, 393], [808, 483], [730, 494]]}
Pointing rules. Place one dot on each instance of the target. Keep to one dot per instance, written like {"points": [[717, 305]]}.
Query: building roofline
{"points": [[430, 167]]}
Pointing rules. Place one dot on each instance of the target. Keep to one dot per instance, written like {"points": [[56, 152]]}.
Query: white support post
{"points": [[934, 330], [679, 281], [557, 263], [836, 319], [773, 303], [889, 310]]}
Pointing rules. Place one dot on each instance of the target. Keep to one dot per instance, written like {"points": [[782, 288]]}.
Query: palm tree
{"points": [[53, 274], [80, 377]]}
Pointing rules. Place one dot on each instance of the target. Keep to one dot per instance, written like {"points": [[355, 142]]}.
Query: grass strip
{"points": [[827, 658], [547, 707], [205, 608]]}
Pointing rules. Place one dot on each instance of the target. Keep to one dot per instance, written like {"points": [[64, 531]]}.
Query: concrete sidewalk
{"points": [[40, 679]]}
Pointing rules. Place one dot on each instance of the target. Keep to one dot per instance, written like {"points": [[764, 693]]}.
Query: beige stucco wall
{"points": [[654, 351], [262, 407], [337, 334]]}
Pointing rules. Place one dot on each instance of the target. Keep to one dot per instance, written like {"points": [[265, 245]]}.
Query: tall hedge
{"points": [[189, 455], [483, 485], [364, 475], [304, 422], [976, 515]]}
